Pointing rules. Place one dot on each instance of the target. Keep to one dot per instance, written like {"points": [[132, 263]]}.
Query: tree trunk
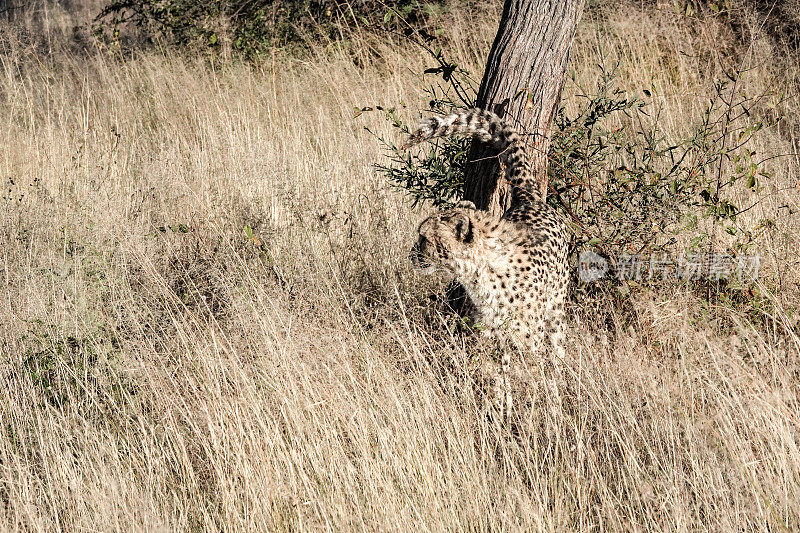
{"points": [[523, 80]]}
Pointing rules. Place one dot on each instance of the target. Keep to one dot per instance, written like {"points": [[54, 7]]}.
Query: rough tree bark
{"points": [[523, 80]]}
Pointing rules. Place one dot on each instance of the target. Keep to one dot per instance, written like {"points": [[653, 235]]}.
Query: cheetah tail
{"points": [[486, 127]]}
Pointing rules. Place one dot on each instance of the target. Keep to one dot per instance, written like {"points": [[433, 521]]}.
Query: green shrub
{"points": [[253, 27], [631, 188]]}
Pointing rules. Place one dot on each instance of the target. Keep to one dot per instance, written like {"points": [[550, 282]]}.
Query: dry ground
{"points": [[163, 368]]}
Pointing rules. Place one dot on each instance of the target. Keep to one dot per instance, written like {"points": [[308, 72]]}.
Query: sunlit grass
{"points": [[209, 322]]}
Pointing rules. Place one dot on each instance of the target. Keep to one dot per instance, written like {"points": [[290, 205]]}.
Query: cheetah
{"points": [[514, 268]]}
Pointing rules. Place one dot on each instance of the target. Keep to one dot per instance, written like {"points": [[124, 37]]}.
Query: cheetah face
{"points": [[444, 239], [421, 255]]}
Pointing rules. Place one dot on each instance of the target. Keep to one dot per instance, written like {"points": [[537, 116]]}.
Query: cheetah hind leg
{"points": [[556, 327], [554, 315]]}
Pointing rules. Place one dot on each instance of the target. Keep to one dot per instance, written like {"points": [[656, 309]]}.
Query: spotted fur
{"points": [[514, 268], [486, 127]]}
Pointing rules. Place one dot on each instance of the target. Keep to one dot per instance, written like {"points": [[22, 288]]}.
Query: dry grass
{"points": [[163, 371]]}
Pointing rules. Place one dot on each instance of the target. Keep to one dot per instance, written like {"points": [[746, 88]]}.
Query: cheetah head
{"points": [[445, 240]]}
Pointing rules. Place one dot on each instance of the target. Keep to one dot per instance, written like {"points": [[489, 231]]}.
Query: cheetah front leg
{"points": [[503, 396], [555, 319], [536, 336], [498, 371]]}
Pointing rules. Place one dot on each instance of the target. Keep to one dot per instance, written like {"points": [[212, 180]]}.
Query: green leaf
{"points": [[695, 242]]}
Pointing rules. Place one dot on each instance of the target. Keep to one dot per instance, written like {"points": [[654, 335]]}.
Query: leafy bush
{"points": [[633, 189], [252, 27], [436, 173], [779, 20]]}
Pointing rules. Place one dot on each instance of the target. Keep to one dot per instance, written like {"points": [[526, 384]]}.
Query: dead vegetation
{"points": [[209, 321]]}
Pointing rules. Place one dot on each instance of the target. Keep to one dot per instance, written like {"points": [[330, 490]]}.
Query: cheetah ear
{"points": [[465, 230], [465, 204]]}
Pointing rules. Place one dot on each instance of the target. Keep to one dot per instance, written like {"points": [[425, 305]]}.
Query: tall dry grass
{"points": [[164, 368]]}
